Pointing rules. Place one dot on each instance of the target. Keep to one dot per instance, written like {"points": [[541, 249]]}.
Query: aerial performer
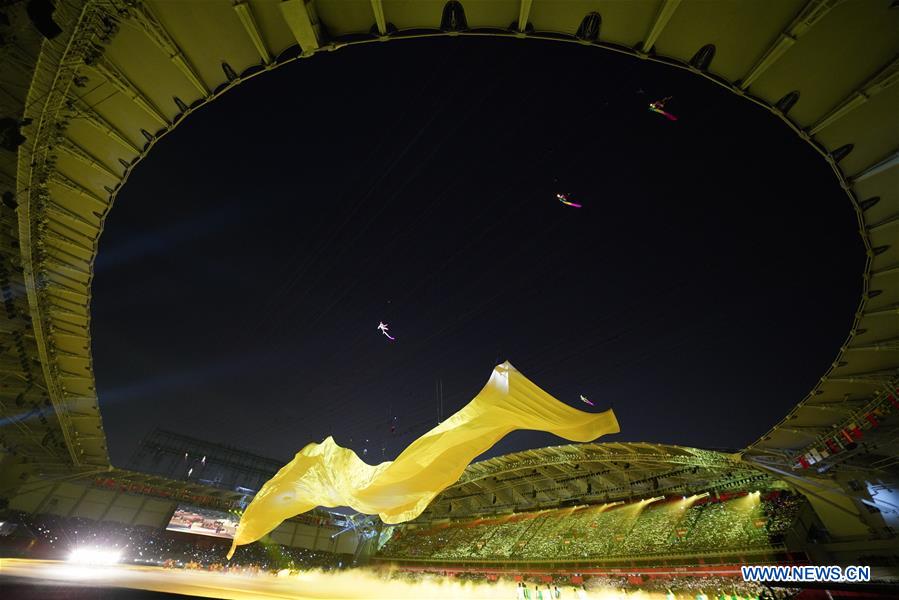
{"points": [[563, 198], [586, 401], [382, 327], [659, 107], [329, 475]]}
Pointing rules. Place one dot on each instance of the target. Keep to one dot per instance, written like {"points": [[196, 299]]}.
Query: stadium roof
{"points": [[591, 473], [121, 74]]}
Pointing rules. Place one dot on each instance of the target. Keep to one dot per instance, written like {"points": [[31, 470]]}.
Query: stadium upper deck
{"points": [[590, 473], [826, 68], [727, 527]]}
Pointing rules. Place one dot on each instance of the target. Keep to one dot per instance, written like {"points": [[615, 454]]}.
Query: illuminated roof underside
{"points": [[121, 75]]}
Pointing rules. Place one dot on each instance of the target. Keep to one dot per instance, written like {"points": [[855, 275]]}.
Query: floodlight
{"points": [[95, 556]]}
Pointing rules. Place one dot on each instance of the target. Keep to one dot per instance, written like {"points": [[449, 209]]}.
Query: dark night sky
{"points": [[702, 290]]}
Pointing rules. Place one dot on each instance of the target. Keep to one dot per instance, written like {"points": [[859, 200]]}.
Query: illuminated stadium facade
{"points": [[82, 107]]}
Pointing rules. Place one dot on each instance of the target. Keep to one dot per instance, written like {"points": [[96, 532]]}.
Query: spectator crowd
{"points": [[672, 525], [53, 537]]}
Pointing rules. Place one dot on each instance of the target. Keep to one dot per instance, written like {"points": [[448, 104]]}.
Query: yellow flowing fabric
{"points": [[328, 475]]}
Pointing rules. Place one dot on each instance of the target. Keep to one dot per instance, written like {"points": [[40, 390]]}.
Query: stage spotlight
{"points": [[95, 556], [41, 14]]}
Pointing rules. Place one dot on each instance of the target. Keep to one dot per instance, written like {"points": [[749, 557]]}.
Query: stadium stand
{"points": [[54, 537], [738, 523]]}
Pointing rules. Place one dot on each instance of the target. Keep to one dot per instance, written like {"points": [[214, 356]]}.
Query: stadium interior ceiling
{"points": [[89, 87]]}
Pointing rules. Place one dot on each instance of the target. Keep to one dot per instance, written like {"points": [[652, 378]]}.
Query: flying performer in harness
{"points": [[659, 107]]}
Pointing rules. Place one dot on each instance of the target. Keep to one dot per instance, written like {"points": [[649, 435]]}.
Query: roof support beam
{"points": [[885, 271], [115, 76], [158, 34], [879, 167], [813, 11], [94, 118], [92, 437], [56, 264], [54, 284], [883, 79], [884, 223], [60, 179], [79, 153], [524, 11], [54, 211], [809, 434], [873, 378], [806, 483], [666, 11], [54, 219], [56, 309], [886, 311], [846, 399], [245, 14], [49, 215], [885, 345], [837, 408], [303, 23], [377, 7]]}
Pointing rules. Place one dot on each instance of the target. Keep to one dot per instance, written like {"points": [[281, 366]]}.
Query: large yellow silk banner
{"points": [[328, 475]]}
